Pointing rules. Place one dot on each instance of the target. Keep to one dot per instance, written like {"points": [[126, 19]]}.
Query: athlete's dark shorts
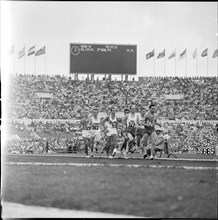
{"points": [[130, 130], [140, 131], [149, 131]]}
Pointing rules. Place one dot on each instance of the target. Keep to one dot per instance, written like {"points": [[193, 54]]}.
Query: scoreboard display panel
{"points": [[103, 59]]}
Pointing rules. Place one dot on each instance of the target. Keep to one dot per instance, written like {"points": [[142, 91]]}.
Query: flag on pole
{"points": [[40, 51], [21, 53], [215, 53], [150, 54], [161, 55], [194, 54], [204, 53], [31, 50], [183, 54], [173, 54], [11, 50]]}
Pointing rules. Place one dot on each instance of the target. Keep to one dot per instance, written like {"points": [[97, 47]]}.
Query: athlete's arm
{"points": [[156, 123], [138, 122], [105, 119], [89, 121], [117, 122], [124, 121], [160, 141]]}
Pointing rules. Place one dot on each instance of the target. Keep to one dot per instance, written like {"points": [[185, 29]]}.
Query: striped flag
{"points": [[11, 50], [31, 50], [40, 51], [215, 53], [204, 53], [173, 54], [150, 54], [21, 53], [194, 54], [161, 55], [183, 54]]}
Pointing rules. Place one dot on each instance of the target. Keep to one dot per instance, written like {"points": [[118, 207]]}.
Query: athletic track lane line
{"points": [[110, 165]]}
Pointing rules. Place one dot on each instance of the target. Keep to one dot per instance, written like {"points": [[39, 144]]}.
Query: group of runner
{"points": [[135, 128]]}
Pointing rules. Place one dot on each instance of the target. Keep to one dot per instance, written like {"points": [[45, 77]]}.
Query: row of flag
{"points": [[182, 55], [31, 51]]}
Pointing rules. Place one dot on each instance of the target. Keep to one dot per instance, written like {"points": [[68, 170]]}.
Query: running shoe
{"points": [[145, 156], [151, 157], [114, 152]]}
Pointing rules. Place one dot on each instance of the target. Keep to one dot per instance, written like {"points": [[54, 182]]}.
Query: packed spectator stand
{"points": [[189, 121]]}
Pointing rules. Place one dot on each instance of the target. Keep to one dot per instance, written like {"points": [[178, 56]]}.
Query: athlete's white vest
{"points": [[141, 120], [132, 121], [110, 128], [95, 123]]}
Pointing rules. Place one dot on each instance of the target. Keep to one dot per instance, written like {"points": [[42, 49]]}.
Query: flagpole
{"points": [[207, 64], [175, 64], [164, 65], [24, 59], [186, 64], [217, 33], [14, 63], [154, 63], [45, 63], [197, 66], [35, 65]]}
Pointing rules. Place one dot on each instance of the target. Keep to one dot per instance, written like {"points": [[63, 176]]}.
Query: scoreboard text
{"points": [[103, 59]]}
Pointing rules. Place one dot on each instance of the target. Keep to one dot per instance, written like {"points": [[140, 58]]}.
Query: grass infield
{"points": [[142, 191]]}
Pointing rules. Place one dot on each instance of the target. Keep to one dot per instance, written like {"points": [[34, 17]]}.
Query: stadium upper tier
{"points": [[56, 97]]}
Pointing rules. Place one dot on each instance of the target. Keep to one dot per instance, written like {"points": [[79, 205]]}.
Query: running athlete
{"points": [[129, 123], [110, 123], [95, 129], [123, 147], [140, 130], [86, 133], [149, 126]]}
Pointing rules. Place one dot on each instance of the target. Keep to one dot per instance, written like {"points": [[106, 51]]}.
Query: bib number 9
{"points": [[132, 124], [95, 127]]}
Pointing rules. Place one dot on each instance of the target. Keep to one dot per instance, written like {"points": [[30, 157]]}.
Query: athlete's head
{"points": [[108, 112], [113, 109], [152, 108], [95, 112], [86, 114], [158, 130], [126, 111], [143, 110], [132, 108]]}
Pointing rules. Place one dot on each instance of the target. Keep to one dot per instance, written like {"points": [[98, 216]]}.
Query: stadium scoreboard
{"points": [[103, 59]]}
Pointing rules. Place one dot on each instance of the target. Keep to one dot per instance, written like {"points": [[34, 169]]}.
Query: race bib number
{"points": [[95, 126], [148, 122], [131, 124]]}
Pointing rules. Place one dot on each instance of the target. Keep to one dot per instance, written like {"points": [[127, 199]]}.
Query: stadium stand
{"points": [[188, 119], [56, 97]]}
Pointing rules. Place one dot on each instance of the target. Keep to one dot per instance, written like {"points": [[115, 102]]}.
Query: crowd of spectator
{"points": [[191, 137], [43, 145], [56, 97], [62, 136], [70, 98]]}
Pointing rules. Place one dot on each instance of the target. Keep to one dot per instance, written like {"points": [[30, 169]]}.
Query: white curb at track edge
{"points": [[16, 210], [105, 157], [110, 165]]}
